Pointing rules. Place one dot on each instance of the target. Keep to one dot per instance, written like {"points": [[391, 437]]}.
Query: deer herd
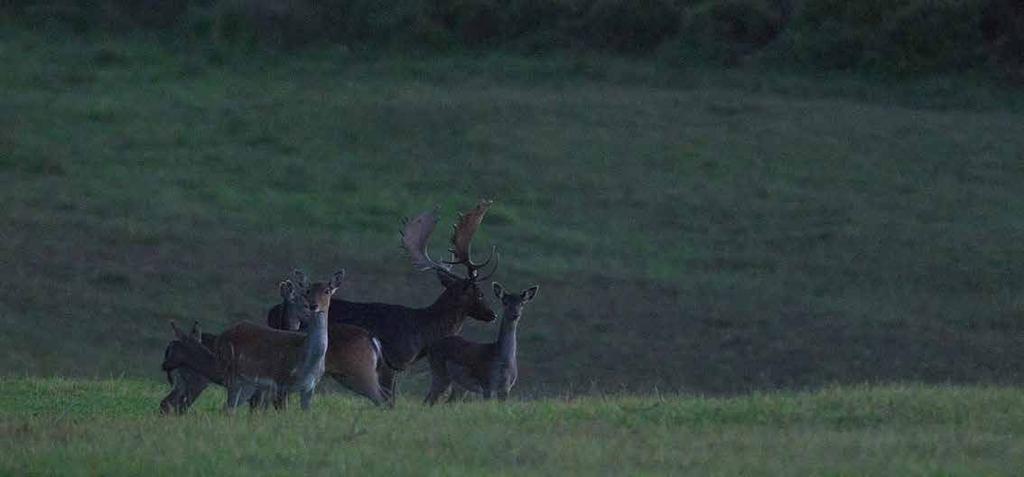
{"points": [[362, 346]]}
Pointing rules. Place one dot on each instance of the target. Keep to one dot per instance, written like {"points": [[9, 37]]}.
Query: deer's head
{"points": [[463, 291], [293, 300], [187, 348], [302, 300], [317, 296], [512, 303]]}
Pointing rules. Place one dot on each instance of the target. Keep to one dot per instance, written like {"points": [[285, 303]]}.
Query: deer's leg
{"points": [[504, 384], [366, 384], [491, 386], [458, 395], [193, 387], [171, 402], [232, 402], [247, 393], [306, 396], [389, 382], [440, 380], [257, 401], [280, 400], [438, 386], [238, 393]]}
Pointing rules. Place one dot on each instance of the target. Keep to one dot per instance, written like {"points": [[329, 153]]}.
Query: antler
{"points": [[462, 237], [415, 236]]}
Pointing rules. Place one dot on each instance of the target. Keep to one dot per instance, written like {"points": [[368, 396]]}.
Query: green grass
{"points": [[708, 230], [70, 427]]}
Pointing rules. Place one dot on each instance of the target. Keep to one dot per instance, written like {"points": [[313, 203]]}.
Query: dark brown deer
{"points": [[187, 383], [406, 332], [484, 368], [191, 366]]}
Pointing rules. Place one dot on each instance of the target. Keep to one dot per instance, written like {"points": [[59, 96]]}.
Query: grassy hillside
{"points": [[703, 230], [71, 427]]}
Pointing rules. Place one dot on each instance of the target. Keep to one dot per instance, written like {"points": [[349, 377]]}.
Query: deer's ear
{"points": [[529, 293], [446, 279], [287, 289], [301, 281], [177, 331], [197, 333], [499, 291], [336, 280]]}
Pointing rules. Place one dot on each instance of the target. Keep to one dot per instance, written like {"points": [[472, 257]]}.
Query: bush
{"points": [[1002, 28], [889, 35], [725, 30], [903, 36], [630, 26], [933, 36], [542, 25], [473, 23]]}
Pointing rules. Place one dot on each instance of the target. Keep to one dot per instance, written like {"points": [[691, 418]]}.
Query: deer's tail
{"points": [[378, 352]]}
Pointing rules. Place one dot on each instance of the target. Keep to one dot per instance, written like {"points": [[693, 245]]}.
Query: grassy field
{"points": [[702, 230], [68, 427]]}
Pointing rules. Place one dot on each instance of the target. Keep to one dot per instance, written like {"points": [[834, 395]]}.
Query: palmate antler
{"points": [[415, 235], [462, 238], [417, 231]]}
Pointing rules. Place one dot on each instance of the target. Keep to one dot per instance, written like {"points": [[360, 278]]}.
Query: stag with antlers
{"points": [[404, 332], [485, 368]]}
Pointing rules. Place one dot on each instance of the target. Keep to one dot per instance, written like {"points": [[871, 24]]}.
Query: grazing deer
{"points": [[188, 383], [256, 357], [405, 332], [485, 368]]}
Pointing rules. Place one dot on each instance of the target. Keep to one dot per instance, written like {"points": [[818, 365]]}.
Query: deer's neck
{"points": [[206, 364], [443, 318], [507, 340], [315, 346]]}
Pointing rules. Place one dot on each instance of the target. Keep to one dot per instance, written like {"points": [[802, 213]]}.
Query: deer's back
{"points": [[350, 349], [371, 316], [276, 318], [475, 357], [394, 325], [257, 351]]}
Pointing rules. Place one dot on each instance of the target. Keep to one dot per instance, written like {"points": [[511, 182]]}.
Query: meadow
{"points": [[695, 229], [108, 427], [742, 270]]}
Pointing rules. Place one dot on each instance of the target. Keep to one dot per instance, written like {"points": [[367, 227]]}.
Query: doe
{"points": [[483, 368], [256, 357]]}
